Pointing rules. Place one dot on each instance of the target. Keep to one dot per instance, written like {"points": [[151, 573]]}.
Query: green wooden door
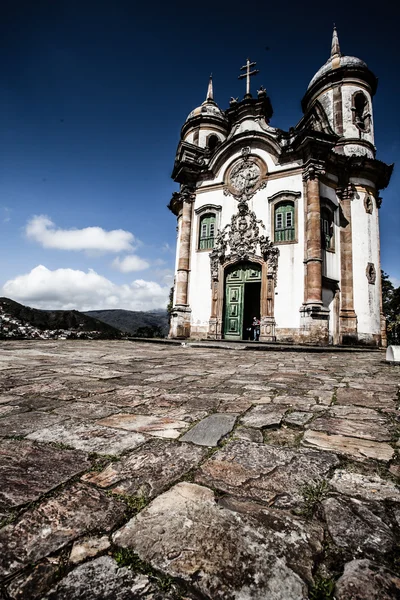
{"points": [[235, 282]]}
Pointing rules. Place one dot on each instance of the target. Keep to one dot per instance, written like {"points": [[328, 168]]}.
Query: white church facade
{"points": [[281, 225]]}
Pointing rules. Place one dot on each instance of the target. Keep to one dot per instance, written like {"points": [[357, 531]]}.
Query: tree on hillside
{"points": [[391, 309]]}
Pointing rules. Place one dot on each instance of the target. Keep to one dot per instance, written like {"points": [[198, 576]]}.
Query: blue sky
{"points": [[92, 98]]}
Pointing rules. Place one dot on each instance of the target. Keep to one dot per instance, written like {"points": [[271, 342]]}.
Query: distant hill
{"points": [[22, 320], [135, 322]]}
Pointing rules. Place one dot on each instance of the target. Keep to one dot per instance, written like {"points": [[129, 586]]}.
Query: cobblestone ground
{"points": [[167, 472]]}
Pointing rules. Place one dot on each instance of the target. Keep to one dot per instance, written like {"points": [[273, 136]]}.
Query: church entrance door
{"points": [[242, 299]]}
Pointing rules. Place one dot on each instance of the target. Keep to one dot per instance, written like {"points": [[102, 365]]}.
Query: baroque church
{"points": [[282, 225]]}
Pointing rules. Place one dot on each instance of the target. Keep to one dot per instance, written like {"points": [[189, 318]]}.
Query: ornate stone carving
{"points": [[241, 240], [368, 204], [244, 177], [313, 169], [371, 273], [346, 192]]}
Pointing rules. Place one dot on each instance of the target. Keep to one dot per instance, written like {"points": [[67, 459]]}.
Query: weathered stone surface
{"points": [[365, 580], [88, 548], [354, 447], [361, 397], [269, 473], [263, 416], [222, 554], [103, 580], [355, 413], [163, 427], [86, 410], [28, 470], [34, 584], [249, 434], [26, 422], [210, 430], [301, 541], [368, 487], [298, 402], [54, 523], [355, 527], [298, 418], [151, 469], [367, 430], [89, 437]]}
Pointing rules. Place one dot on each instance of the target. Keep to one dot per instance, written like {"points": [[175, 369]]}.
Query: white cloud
{"points": [[130, 263], [41, 229], [72, 289], [395, 281]]}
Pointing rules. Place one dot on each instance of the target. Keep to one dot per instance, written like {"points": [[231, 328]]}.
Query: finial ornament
{"points": [[210, 90], [247, 67], [335, 48]]}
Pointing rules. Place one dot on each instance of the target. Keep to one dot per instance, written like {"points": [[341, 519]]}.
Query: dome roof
{"points": [[209, 107], [334, 63], [338, 61]]}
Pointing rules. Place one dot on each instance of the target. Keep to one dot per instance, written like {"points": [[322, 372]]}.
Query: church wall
{"points": [[326, 100], [365, 238], [290, 286]]}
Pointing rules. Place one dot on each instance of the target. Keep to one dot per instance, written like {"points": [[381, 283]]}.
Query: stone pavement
{"points": [[132, 470]]}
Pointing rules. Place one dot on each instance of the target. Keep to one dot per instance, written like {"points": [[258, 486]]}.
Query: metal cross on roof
{"points": [[248, 74]]}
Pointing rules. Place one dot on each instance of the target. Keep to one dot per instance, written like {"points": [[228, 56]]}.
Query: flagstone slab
{"points": [[33, 585], [354, 527], [298, 418], [263, 416], [262, 472], [367, 487], [102, 579], [88, 548], [355, 413], [86, 410], [366, 580], [362, 397], [163, 427], [22, 424], [89, 437], [149, 470], [367, 430], [54, 523], [28, 470], [222, 554], [210, 430], [357, 448], [248, 433]]}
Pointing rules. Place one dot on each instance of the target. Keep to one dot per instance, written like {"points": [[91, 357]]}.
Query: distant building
{"points": [[282, 225]]}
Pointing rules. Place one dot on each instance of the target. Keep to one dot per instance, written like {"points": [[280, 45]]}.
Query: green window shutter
{"points": [[284, 222], [207, 232]]}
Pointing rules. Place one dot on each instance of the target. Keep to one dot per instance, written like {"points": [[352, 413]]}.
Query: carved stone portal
{"points": [[237, 242]]}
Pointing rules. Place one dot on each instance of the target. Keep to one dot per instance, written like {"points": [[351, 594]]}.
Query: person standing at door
{"points": [[256, 329]]}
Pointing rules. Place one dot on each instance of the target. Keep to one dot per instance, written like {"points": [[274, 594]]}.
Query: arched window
{"points": [[284, 222], [327, 229], [212, 142], [207, 232], [361, 112]]}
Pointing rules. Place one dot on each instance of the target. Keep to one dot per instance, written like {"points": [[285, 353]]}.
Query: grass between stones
{"points": [[323, 589], [125, 557], [313, 494]]}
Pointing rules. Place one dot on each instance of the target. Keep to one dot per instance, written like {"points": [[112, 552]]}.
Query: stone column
{"points": [[180, 316], [347, 315], [314, 316], [182, 275]]}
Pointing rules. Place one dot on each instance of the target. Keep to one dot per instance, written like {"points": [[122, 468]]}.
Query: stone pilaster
{"points": [[314, 317], [347, 315], [181, 312]]}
